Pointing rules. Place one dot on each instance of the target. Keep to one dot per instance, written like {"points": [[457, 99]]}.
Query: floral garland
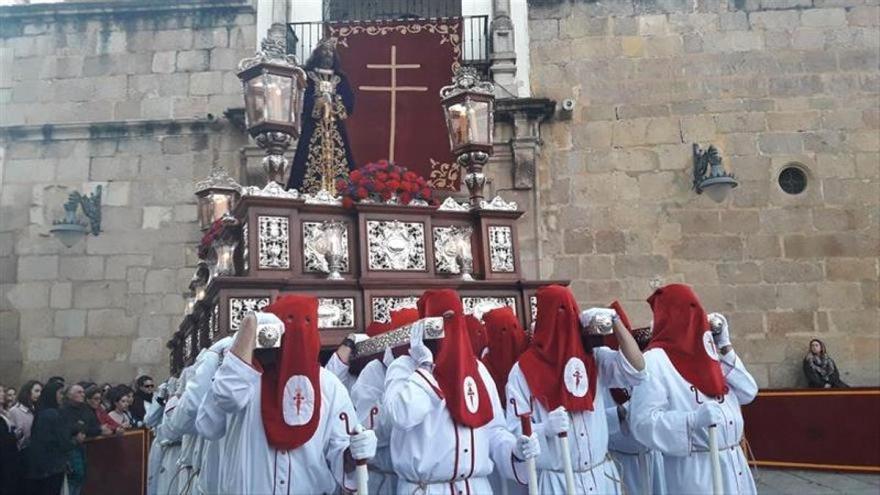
{"points": [[381, 182]]}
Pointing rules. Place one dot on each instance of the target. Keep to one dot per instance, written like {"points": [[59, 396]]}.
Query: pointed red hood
{"points": [[506, 341], [291, 386], [477, 335], [681, 328], [557, 368], [456, 370]]}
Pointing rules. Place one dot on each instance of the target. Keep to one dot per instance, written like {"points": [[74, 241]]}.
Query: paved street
{"points": [[785, 482]]}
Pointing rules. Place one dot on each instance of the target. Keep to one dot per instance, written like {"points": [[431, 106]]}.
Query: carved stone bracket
{"points": [[526, 115]]}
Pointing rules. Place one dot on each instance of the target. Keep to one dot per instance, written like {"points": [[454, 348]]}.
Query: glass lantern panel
{"points": [[278, 99], [296, 103], [255, 100], [478, 118], [457, 123], [221, 204]]}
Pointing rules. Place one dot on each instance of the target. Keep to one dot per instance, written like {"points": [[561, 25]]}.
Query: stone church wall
{"points": [[129, 96], [769, 82]]}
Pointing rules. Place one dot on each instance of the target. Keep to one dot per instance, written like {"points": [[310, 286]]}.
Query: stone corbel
{"points": [[526, 116]]}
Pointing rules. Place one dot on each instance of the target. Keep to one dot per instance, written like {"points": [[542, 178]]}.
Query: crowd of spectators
{"points": [[43, 427]]}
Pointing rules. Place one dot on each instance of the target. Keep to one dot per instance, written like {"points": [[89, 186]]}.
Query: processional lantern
{"points": [[273, 86], [217, 195], [469, 106]]}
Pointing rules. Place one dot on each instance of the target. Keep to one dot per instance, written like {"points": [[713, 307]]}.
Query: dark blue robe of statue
{"points": [[323, 146]]}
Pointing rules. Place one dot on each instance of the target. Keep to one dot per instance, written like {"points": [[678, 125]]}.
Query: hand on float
{"points": [[527, 447]]}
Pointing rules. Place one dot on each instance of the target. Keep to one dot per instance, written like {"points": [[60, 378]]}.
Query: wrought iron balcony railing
{"points": [[303, 36]]}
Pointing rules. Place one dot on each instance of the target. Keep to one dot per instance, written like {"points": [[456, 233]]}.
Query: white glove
{"points": [[557, 422], [417, 348], [708, 414], [527, 447], [722, 338], [388, 357], [363, 444], [222, 345], [589, 315], [162, 390]]}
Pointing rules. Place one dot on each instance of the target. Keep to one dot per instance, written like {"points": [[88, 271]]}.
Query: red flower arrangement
{"points": [[380, 181]]}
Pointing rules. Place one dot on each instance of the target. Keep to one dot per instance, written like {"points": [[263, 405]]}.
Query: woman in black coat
{"points": [[10, 461], [51, 442]]}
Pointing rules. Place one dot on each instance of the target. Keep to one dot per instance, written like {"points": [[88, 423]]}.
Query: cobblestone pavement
{"points": [[785, 482]]}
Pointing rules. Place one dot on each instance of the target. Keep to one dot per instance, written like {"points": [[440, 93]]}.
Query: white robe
{"points": [[337, 367], [432, 454], [640, 467], [594, 472], [251, 465], [170, 444], [368, 392], [153, 420], [183, 424], [662, 415], [211, 427]]}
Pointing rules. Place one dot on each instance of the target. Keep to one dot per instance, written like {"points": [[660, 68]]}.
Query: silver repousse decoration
{"points": [[245, 247], [450, 204], [241, 306], [501, 249], [467, 79], [217, 179], [272, 190], [418, 202], [498, 204], [214, 322], [274, 242], [383, 306], [395, 246], [479, 305], [452, 249], [187, 347], [273, 49], [399, 336], [322, 197], [313, 249], [335, 312], [533, 307]]}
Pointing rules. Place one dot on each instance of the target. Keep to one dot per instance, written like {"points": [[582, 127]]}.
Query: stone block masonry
{"points": [[770, 83], [129, 97]]}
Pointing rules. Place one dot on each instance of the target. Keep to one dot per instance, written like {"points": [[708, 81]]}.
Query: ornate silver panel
{"points": [[274, 242], [187, 347], [446, 248], [213, 324], [335, 312], [396, 246], [449, 204], [501, 249], [240, 306], [313, 239], [533, 307], [383, 306], [245, 247], [478, 305]]}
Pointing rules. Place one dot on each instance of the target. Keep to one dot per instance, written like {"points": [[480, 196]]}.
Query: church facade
{"points": [[142, 99]]}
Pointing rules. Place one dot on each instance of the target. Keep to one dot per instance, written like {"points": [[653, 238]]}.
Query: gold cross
{"points": [[393, 89]]}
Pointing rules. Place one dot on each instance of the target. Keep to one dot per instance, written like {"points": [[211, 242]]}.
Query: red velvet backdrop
{"points": [[425, 52], [828, 429]]}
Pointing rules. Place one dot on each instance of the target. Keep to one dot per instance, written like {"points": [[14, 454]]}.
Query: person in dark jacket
{"points": [[10, 460], [143, 395], [51, 444], [821, 371], [76, 410]]}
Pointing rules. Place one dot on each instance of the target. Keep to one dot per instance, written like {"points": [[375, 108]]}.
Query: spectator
{"points": [[820, 369], [94, 399], [105, 390], [143, 395], [75, 410], [118, 416], [10, 459], [51, 443], [3, 406], [10, 397], [22, 413]]}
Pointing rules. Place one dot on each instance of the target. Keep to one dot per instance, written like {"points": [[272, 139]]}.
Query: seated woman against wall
{"points": [[821, 371]]}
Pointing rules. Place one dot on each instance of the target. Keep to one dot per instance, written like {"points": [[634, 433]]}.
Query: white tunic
{"points": [[153, 420], [211, 427], [662, 414], [640, 468], [337, 367], [366, 393], [251, 465], [594, 472], [431, 453], [170, 445]]}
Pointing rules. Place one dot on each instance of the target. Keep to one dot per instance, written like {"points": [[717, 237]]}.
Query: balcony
{"points": [[303, 36]]}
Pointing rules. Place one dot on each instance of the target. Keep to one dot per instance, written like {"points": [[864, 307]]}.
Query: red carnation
{"points": [[405, 198], [379, 186], [362, 193], [347, 202], [381, 176], [355, 175], [394, 175], [393, 185], [386, 195], [426, 193]]}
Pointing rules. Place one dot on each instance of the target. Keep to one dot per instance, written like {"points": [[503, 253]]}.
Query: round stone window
{"points": [[793, 179]]}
